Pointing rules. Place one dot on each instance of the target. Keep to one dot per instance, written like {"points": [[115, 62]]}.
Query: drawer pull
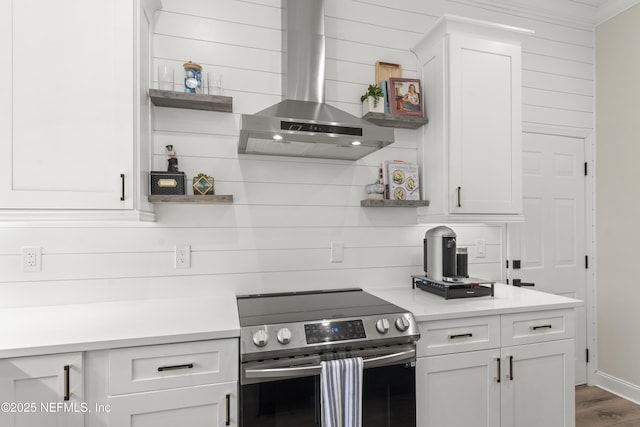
{"points": [[175, 367], [499, 369], [227, 420], [535, 328], [122, 179], [510, 368], [454, 337], [67, 393]]}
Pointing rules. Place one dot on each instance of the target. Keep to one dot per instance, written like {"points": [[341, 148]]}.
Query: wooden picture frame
{"points": [[406, 97]]}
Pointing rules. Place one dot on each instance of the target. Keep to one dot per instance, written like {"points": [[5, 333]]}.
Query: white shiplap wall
{"points": [[286, 211]]}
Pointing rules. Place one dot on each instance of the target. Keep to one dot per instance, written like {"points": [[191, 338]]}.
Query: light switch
{"points": [[481, 248]]}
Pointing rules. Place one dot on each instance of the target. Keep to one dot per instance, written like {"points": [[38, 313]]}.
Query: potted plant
{"points": [[202, 184], [373, 100]]}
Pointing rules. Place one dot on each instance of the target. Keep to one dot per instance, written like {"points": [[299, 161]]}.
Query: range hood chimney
{"points": [[302, 125]]}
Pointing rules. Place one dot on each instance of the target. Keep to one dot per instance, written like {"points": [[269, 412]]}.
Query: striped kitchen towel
{"points": [[341, 389]]}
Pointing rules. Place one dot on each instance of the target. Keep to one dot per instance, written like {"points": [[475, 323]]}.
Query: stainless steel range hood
{"points": [[302, 125]]}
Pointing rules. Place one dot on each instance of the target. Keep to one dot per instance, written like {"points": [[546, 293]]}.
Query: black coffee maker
{"points": [[440, 256]]}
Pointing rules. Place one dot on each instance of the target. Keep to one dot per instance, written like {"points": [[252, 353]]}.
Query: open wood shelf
{"points": [[393, 203], [395, 121], [206, 199], [193, 101]]}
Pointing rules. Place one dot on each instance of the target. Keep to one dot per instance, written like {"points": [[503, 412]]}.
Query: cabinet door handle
{"points": [[510, 368], [122, 180], [227, 421], [453, 337], [499, 369], [459, 202], [519, 283], [535, 328], [175, 367], [67, 393]]}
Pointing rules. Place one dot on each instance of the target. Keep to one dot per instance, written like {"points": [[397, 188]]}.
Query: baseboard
{"points": [[617, 386]]}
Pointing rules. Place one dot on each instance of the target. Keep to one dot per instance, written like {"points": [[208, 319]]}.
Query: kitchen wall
{"points": [[618, 202], [286, 211]]}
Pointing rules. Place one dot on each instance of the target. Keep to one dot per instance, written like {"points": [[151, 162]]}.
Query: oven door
{"points": [[275, 395]]}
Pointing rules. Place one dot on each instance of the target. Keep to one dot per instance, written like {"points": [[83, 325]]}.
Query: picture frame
{"points": [[402, 96]]}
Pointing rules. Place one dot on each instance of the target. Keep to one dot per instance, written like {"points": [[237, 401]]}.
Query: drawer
{"points": [[537, 326], [160, 367], [457, 335]]}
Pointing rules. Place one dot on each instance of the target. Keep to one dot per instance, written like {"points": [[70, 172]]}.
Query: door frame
{"points": [[590, 234]]}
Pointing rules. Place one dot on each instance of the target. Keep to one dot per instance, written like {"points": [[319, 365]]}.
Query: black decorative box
{"points": [[167, 183]]}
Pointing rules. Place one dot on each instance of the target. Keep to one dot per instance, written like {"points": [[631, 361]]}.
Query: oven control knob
{"points": [[382, 325], [284, 336], [402, 324], [260, 338]]}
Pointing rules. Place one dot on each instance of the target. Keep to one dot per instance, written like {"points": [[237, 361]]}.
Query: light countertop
{"points": [[28, 331], [507, 299]]}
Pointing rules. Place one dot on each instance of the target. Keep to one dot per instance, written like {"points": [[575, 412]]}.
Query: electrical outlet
{"points": [[481, 248], [337, 252], [31, 259], [183, 256]]}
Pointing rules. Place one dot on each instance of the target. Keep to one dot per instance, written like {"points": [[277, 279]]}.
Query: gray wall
{"points": [[618, 200]]}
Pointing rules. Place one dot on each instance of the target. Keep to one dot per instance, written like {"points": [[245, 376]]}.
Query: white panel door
{"points": [[35, 389], [469, 378], [67, 109], [538, 387], [551, 243], [485, 127], [208, 405]]}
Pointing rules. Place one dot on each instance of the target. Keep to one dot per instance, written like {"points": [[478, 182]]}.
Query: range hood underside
{"points": [[287, 119]]}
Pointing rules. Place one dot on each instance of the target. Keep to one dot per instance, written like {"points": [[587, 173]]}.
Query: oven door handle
{"points": [[300, 371], [309, 370], [403, 356]]}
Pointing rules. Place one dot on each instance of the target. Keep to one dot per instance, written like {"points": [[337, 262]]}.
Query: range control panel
{"points": [[289, 339], [334, 331]]}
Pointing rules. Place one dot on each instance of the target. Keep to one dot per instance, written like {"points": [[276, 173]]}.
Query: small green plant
{"points": [[373, 91]]}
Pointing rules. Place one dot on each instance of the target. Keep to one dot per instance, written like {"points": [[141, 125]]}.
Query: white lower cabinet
{"points": [[42, 391], [473, 381], [192, 384], [206, 405], [458, 390]]}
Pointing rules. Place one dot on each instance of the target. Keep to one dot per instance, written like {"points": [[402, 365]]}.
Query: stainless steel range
{"points": [[285, 336]]}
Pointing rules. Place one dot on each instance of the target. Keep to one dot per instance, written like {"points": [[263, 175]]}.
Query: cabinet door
{"points": [[485, 126], [458, 390], [538, 385], [67, 110], [200, 406], [35, 389]]}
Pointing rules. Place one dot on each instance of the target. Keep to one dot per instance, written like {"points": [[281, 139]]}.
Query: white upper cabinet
{"points": [[471, 154], [70, 121]]}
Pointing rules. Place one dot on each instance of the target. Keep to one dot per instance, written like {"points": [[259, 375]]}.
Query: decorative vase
{"points": [[202, 184], [369, 107]]}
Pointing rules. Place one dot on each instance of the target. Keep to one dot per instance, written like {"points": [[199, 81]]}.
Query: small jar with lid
{"points": [[193, 77]]}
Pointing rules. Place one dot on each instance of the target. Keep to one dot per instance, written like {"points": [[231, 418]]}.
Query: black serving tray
{"points": [[469, 288]]}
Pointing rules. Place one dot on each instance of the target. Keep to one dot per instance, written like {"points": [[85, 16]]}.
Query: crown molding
{"points": [[554, 11], [612, 8], [560, 12]]}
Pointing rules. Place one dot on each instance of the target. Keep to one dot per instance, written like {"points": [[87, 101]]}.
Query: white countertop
{"points": [[28, 331], [507, 299]]}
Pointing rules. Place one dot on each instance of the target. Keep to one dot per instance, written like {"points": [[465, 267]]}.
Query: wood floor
{"points": [[599, 408]]}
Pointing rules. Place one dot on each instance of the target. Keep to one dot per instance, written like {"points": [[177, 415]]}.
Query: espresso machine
{"points": [[440, 261], [445, 268]]}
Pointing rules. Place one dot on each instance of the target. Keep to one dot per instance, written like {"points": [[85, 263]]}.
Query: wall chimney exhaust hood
{"points": [[302, 125]]}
